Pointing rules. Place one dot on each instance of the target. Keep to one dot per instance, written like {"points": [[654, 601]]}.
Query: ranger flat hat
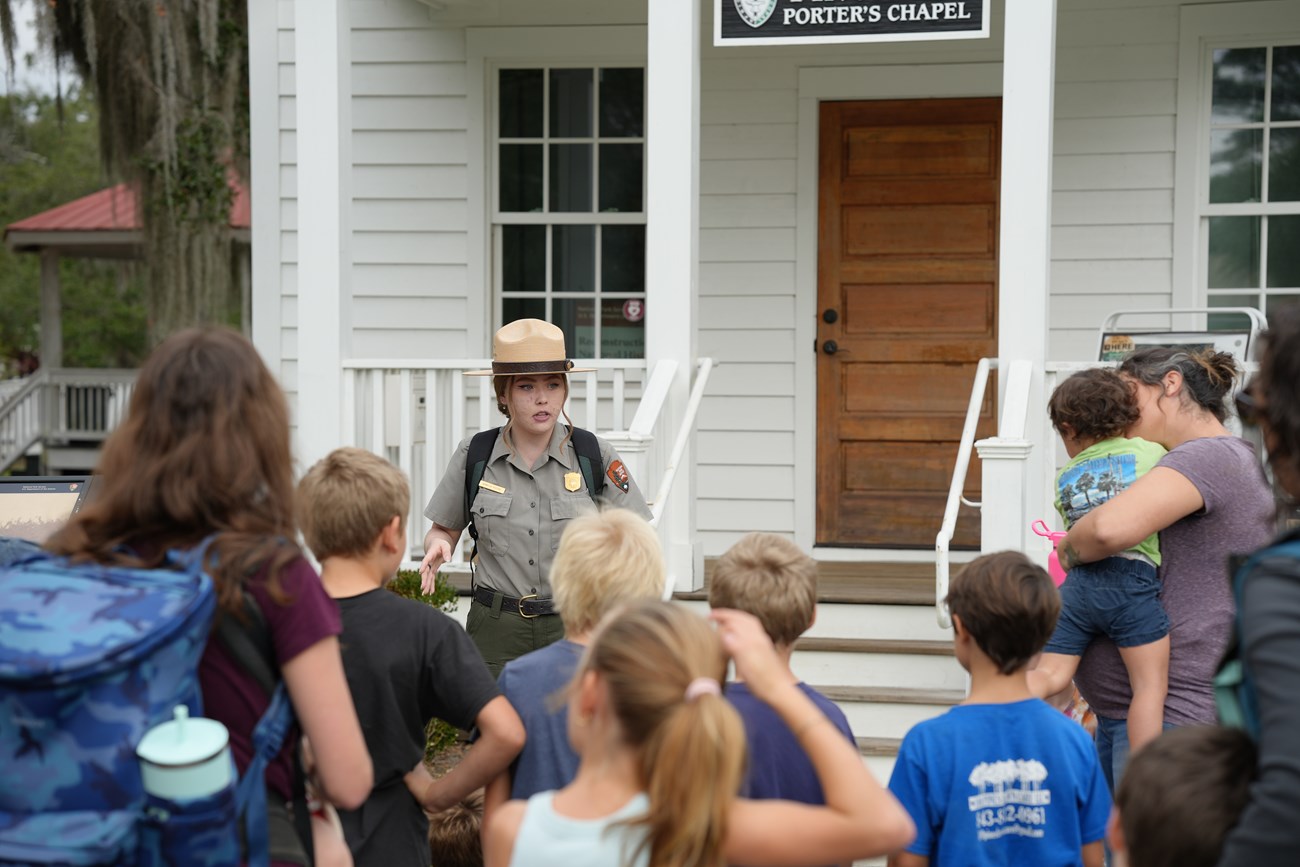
{"points": [[528, 347]]}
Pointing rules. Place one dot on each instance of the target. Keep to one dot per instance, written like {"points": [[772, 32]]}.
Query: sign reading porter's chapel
{"points": [[788, 22]]}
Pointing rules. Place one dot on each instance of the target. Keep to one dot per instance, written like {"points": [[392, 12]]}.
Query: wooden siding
{"points": [[409, 288]]}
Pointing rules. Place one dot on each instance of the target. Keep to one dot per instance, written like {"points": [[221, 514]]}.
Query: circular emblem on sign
{"points": [[755, 12], [634, 310]]}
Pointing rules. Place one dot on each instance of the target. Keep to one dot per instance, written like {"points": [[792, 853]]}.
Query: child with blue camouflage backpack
{"points": [[204, 452]]}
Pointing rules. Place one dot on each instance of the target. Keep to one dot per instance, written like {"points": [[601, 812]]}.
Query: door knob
{"points": [[830, 347]]}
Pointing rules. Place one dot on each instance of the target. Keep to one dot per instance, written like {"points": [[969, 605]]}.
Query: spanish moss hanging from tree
{"points": [[171, 81]]}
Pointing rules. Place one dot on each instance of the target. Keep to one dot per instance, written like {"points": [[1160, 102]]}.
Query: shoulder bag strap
{"points": [[480, 449], [587, 447]]}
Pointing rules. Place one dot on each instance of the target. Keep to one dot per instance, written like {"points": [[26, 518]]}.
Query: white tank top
{"points": [[547, 839]]}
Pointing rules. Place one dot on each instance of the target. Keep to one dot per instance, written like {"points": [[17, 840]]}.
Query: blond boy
{"points": [[605, 559], [771, 578], [405, 661]]}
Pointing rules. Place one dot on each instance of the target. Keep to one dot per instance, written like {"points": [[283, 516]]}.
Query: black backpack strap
{"points": [[587, 448], [249, 643], [250, 646], [480, 449]]}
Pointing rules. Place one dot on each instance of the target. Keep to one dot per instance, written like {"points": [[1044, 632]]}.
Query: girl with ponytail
{"points": [[662, 757]]}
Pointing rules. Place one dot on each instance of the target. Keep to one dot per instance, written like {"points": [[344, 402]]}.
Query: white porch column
{"points": [[672, 259], [1028, 76], [51, 311], [266, 293], [321, 49]]}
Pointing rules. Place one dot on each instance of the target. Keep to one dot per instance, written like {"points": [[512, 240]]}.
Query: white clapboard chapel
{"points": [[827, 256]]}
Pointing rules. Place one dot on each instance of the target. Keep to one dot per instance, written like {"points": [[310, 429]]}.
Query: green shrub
{"points": [[439, 735]]}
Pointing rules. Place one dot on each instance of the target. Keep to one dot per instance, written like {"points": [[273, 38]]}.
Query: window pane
{"points": [[622, 259], [1236, 157], [1284, 165], [620, 177], [622, 328], [1284, 252], [576, 317], [1280, 302], [571, 103], [523, 258], [1230, 321], [521, 177], [1286, 83], [1238, 95], [1234, 252], [522, 308], [521, 103], [573, 259], [622, 102], [571, 177]]}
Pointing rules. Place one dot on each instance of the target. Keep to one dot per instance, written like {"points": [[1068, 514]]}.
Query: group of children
{"points": [[624, 743]]}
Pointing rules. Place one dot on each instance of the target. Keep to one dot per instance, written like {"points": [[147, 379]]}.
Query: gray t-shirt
{"points": [[534, 684], [1238, 517]]}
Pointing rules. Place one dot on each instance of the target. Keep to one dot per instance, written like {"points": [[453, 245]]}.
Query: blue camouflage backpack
{"points": [[91, 657]]}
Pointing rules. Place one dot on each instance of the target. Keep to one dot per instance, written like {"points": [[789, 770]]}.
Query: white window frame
{"points": [[489, 50], [546, 217], [1203, 30]]}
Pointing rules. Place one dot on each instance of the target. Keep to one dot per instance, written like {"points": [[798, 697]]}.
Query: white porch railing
{"points": [[415, 413], [20, 419], [60, 406]]}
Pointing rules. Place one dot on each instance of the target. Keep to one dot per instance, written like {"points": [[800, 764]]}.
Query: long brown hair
{"points": [[204, 449], [691, 751]]}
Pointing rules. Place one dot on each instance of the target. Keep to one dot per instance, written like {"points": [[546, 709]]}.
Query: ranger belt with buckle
{"points": [[529, 606]]}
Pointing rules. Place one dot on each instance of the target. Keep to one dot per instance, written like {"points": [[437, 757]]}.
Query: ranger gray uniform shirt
{"points": [[519, 530]]}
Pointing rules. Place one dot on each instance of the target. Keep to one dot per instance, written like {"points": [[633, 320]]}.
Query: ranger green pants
{"points": [[502, 635]]}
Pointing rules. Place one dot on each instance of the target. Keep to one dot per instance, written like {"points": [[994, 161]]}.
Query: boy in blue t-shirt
{"points": [[1119, 596], [771, 578], [1001, 779]]}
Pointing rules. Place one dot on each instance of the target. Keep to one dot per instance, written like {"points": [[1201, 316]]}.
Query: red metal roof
{"points": [[113, 210]]}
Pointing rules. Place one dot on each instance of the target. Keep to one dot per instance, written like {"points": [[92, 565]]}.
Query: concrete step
{"points": [[856, 582], [889, 712], [878, 662], [843, 620]]}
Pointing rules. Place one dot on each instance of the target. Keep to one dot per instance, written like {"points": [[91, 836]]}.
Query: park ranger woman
{"points": [[516, 488]]}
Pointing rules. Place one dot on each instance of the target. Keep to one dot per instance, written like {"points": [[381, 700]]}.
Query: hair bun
{"points": [[1220, 368]]}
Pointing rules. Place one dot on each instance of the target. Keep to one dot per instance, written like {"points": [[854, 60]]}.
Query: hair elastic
{"points": [[702, 686]]}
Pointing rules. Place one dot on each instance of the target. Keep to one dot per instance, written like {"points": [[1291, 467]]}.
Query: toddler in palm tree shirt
{"points": [[1119, 596]]}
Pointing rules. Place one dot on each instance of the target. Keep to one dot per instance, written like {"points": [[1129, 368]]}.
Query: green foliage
{"points": [[45, 162], [439, 735]]}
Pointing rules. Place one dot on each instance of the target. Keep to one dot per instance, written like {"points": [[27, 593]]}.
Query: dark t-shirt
{"points": [[534, 683], [1267, 834], [778, 766], [405, 663], [1197, 595], [231, 696]]}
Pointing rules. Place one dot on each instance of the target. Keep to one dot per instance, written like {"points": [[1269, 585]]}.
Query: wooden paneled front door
{"points": [[907, 304]]}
